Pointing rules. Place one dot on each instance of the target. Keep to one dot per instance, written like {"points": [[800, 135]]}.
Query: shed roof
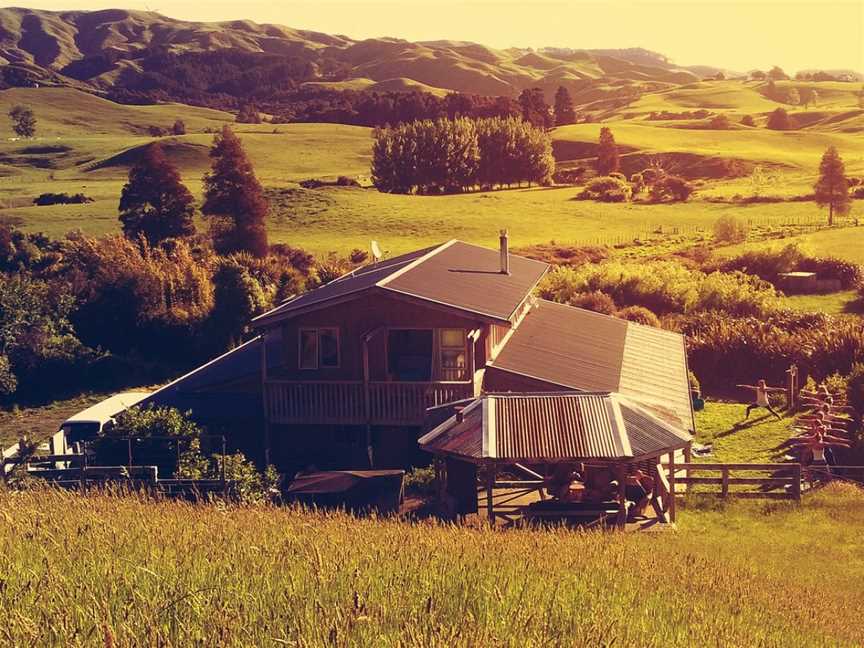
{"points": [[551, 427], [455, 274], [579, 349]]}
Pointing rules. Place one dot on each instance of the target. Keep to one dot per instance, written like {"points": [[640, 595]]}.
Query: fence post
{"points": [[724, 487], [84, 466], [222, 475], [672, 486]]}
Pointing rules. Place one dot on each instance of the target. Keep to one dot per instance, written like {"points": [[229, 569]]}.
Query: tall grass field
{"points": [[102, 570]]}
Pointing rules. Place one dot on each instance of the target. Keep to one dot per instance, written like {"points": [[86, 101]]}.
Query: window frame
{"points": [[316, 331], [442, 348]]}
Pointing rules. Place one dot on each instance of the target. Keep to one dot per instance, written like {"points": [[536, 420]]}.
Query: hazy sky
{"points": [[738, 35]]}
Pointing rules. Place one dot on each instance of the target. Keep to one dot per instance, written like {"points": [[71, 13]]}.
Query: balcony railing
{"points": [[334, 402]]}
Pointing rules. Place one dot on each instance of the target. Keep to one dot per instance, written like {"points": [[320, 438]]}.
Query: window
{"points": [[453, 354], [319, 348]]}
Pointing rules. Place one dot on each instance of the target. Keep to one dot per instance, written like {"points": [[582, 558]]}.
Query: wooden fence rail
{"points": [[783, 483]]}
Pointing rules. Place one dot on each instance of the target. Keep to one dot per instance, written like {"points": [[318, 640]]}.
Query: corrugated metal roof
{"points": [[580, 349], [454, 274], [555, 427]]}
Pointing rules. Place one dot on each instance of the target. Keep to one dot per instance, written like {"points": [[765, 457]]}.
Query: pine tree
{"points": [[234, 199], [607, 152], [564, 112], [154, 202], [832, 188]]}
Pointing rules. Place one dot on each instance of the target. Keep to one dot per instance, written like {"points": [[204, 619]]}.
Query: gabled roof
{"points": [[555, 426], [103, 411], [455, 274], [579, 349]]}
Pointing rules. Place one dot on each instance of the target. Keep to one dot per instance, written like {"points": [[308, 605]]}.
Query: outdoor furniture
{"points": [[579, 513]]}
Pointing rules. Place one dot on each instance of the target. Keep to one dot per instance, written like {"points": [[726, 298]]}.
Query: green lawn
{"points": [[839, 303], [736, 439]]}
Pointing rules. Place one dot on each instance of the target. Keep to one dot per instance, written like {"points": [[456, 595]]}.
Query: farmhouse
{"points": [[350, 375]]}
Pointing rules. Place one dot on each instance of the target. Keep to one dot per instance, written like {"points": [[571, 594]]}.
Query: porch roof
{"points": [[554, 426]]}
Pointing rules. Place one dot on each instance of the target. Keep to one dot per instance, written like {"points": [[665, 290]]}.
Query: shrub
{"points": [[747, 120], [855, 388], [720, 122], [663, 287], [725, 351], [61, 199], [858, 192], [179, 127], [671, 188], [420, 481], [639, 315], [765, 263], [345, 181], [730, 229], [847, 273], [779, 120], [596, 301], [618, 175], [606, 189]]}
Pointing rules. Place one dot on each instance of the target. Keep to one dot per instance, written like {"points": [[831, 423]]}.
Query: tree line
{"points": [[452, 155]]}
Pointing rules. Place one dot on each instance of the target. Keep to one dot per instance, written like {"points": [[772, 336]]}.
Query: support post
{"points": [[688, 459], [621, 476], [367, 400], [222, 471], [264, 403], [724, 482], [671, 508], [129, 451], [490, 486]]}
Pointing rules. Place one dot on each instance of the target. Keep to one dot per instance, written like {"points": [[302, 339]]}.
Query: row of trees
{"points": [[450, 155], [156, 205]]}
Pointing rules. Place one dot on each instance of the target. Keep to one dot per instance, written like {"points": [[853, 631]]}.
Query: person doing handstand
{"points": [[762, 391]]}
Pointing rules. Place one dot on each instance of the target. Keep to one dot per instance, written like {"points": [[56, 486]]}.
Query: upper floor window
{"points": [[319, 348], [453, 354]]}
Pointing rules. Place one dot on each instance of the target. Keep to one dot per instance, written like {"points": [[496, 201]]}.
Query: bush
{"points": [[765, 263], [639, 315], [671, 188], [858, 192], [596, 301], [747, 120], [61, 199], [663, 287], [345, 181], [720, 122], [847, 273], [780, 120], [725, 351], [179, 127], [730, 229], [855, 389], [420, 481], [606, 189]]}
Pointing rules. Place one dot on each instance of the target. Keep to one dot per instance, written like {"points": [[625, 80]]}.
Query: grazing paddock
{"points": [[103, 570]]}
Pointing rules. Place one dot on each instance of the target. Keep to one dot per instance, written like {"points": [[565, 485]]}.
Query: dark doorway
{"points": [[409, 354]]}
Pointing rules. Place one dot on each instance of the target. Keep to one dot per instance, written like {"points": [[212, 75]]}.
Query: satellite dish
{"points": [[376, 252]]}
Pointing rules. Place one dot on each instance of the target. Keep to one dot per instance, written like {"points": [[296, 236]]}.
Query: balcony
{"points": [[345, 402]]}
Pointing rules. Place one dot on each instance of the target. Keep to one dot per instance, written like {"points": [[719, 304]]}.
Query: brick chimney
{"points": [[504, 245]]}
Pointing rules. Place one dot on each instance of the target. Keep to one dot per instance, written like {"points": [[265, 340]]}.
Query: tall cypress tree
{"points": [[155, 203], [607, 152], [234, 199], [832, 188], [564, 112]]}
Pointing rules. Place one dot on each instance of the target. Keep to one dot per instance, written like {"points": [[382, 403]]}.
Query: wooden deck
{"points": [[357, 403]]}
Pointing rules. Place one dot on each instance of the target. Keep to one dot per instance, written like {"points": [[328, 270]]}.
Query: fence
{"points": [[782, 482], [652, 233]]}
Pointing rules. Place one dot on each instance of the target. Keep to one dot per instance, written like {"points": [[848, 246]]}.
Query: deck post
{"points": [[671, 507], [621, 476], [491, 470], [688, 459], [264, 403]]}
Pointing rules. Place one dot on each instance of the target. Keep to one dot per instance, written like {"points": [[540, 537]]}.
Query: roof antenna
{"points": [[377, 255]]}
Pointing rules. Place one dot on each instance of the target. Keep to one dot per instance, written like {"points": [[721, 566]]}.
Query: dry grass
{"points": [[102, 570]]}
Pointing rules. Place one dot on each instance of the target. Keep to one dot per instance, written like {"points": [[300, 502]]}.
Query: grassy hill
{"points": [[176, 574], [88, 145]]}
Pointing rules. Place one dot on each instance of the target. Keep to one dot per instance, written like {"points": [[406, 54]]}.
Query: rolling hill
{"points": [[100, 50]]}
